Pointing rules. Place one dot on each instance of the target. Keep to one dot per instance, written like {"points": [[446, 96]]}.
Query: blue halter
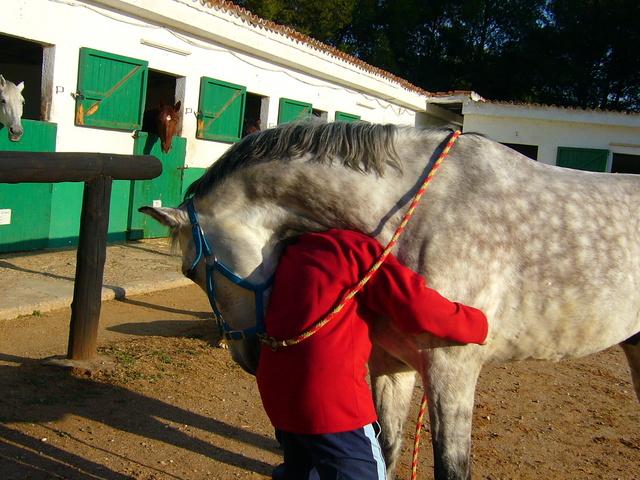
{"points": [[212, 264]]}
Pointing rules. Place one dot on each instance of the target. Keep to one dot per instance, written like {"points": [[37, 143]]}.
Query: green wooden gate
{"points": [[591, 159], [25, 208], [165, 190]]}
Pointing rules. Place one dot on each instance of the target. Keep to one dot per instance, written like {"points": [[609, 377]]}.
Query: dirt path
{"points": [[174, 407]]}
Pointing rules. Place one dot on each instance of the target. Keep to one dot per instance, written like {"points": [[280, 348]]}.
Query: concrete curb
{"points": [[60, 296]]}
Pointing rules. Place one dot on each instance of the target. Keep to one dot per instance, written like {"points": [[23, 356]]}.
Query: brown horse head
{"points": [[163, 121], [251, 125]]}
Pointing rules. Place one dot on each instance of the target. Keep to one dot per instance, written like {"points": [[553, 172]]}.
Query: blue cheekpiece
{"points": [[203, 249]]}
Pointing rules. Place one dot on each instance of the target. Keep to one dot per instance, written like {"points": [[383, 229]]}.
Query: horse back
{"points": [[552, 255]]}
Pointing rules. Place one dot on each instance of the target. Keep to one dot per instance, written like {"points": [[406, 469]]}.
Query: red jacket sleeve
{"points": [[402, 295]]}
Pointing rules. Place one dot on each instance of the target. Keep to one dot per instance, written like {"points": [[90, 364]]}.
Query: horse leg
{"points": [[392, 382], [450, 381], [631, 349]]}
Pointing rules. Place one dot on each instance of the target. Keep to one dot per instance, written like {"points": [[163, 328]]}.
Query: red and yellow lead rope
{"points": [[416, 438]]}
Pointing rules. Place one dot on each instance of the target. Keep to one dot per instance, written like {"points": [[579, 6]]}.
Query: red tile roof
{"points": [[252, 19]]}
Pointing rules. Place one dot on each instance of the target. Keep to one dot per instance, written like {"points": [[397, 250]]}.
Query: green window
{"points": [[291, 110], [346, 117], [221, 110], [591, 159], [111, 90]]}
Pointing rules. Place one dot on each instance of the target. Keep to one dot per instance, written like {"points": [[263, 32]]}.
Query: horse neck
{"points": [[313, 196]]}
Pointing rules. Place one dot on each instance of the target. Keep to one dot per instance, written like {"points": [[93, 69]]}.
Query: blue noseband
{"points": [[203, 249]]}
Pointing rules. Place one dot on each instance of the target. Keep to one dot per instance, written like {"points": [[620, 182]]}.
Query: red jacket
{"points": [[320, 385]]}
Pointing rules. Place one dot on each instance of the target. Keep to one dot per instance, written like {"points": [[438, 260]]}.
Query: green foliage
{"points": [[566, 52], [588, 54], [323, 21]]}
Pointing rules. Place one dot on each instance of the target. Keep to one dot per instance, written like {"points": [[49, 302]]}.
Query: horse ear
{"points": [[177, 106], [173, 218], [20, 86], [3, 82]]}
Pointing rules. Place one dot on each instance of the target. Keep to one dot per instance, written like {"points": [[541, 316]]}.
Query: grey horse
{"points": [[551, 255]]}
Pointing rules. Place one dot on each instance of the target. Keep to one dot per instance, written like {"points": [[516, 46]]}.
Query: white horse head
{"points": [[245, 247], [11, 106]]}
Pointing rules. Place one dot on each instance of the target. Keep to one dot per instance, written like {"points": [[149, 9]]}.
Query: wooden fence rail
{"points": [[97, 171]]}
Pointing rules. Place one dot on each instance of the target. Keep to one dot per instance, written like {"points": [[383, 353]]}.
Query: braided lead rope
{"points": [[346, 298], [416, 440]]}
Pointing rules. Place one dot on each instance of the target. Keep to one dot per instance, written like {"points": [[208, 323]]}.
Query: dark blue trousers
{"points": [[352, 455]]}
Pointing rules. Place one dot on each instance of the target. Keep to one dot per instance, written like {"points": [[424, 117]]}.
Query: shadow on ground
{"points": [[33, 393]]}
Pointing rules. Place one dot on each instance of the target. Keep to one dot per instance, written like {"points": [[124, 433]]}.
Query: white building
{"points": [[92, 67], [594, 140]]}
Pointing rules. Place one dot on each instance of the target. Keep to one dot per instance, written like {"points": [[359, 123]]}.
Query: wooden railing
{"points": [[97, 171]]}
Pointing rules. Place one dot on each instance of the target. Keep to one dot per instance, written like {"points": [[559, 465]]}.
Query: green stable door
{"points": [[163, 191], [25, 208]]}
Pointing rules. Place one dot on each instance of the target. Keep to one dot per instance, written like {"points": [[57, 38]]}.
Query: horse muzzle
{"points": [[15, 133], [246, 353]]}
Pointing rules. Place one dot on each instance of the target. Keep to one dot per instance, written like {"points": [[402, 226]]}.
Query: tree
{"points": [[566, 52], [589, 58], [323, 21]]}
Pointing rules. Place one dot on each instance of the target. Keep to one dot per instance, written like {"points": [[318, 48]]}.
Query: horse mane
{"points": [[359, 146]]}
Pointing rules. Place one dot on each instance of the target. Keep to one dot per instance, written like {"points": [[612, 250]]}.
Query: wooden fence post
{"points": [[97, 170], [92, 252]]}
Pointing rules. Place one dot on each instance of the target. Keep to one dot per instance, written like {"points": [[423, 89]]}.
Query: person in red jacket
{"points": [[315, 392]]}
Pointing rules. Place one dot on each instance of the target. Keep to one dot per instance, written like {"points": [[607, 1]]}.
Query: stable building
{"points": [[595, 140], [92, 68]]}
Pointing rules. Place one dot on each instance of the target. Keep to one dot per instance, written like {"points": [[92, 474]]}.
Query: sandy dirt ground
{"points": [[168, 404]]}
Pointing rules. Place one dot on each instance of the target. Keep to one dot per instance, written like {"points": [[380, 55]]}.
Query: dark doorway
{"points": [[530, 151], [253, 113], [21, 61], [321, 114], [161, 89], [625, 163]]}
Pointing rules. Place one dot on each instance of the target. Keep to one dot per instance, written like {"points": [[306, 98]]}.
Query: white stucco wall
{"points": [[553, 127], [210, 43]]}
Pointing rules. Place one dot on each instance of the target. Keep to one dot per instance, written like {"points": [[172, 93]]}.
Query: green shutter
{"points": [[111, 90], [591, 159], [221, 110], [291, 110], [346, 117]]}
